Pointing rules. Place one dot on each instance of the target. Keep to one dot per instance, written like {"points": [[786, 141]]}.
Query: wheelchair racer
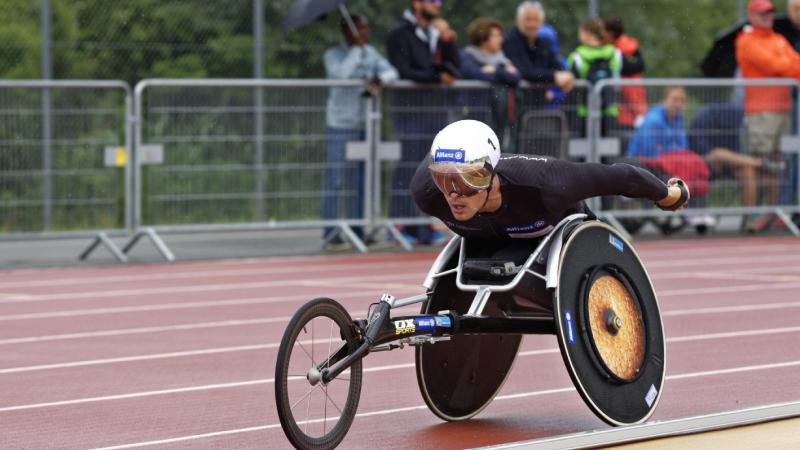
{"points": [[478, 193]]}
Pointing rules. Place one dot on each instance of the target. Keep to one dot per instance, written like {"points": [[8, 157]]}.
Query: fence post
{"points": [[258, 116], [47, 74]]}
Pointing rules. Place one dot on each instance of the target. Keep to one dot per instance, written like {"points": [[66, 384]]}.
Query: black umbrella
{"points": [[303, 12], [720, 62]]}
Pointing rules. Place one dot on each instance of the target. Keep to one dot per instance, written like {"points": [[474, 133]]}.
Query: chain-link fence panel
{"points": [[733, 141], [63, 156], [246, 153]]}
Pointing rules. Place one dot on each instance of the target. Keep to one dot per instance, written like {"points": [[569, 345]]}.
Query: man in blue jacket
{"points": [[423, 49]]}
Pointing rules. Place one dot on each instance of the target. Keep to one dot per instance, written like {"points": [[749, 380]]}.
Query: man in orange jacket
{"points": [[763, 53], [633, 99]]}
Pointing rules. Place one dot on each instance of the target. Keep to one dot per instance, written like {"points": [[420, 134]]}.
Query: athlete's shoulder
{"points": [[524, 170]]}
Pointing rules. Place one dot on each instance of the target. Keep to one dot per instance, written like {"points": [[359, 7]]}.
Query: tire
{"points": [[460, 377], [291, 380]]}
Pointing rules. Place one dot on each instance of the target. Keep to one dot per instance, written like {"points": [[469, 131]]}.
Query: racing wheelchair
{"points": [[582, 282]]}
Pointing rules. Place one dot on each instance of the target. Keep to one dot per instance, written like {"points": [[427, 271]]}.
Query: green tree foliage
{"points": [[139, 39]]}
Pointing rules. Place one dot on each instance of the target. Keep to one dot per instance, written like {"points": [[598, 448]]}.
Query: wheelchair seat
{"points": [[491, 271]]}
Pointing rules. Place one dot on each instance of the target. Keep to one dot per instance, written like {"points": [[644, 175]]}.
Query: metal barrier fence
{"points": [[734, 141], [530, 119], [249, 154], [267, 154], [64, 147]]}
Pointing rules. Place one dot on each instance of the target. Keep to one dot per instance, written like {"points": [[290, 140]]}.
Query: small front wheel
{"points": [[313, 414]]}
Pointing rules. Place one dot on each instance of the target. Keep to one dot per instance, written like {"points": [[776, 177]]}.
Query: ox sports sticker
{"points": [[405, 326]]}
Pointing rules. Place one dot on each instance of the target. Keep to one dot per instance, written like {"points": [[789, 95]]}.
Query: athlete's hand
{"points": [[677, 195]]}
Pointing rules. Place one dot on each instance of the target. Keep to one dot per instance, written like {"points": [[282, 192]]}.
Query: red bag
{"points": [[686, 165]]}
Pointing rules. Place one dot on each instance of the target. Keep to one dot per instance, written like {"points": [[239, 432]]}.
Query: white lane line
{"points": [[728, 289], [245, 322], [725, 261], [136, 395], [188, 305], [195, 274], [245, 348], [416, 275], [379, 287], [126, 359], [321, 266], [730, 309], [142, 330], [422, 407], [235, 384], [106, 294]]}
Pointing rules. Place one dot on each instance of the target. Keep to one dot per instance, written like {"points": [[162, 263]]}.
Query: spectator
{"points": [[763, 53], [484, 60], [423, 49], [533, 55], [661, 144], [715, 134], [346, 118], [789, 26], [633, 99], [596, 60]]}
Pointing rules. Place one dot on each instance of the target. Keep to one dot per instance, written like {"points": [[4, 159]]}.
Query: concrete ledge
{"points": [[655, 430]]}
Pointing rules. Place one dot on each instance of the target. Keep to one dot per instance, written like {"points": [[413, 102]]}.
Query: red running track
{"points": [[182, 355]]}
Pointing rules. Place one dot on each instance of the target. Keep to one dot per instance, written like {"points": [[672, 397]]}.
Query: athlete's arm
{"points": [[566, 183]]}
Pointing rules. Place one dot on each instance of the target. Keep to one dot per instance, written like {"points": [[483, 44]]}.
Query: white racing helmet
{"points": [[463, 157]]}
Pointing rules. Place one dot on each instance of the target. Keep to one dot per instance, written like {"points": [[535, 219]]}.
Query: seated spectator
{"points": [[661, 143], [484, 60], [596, 60], [346, 119], [715, 134]]}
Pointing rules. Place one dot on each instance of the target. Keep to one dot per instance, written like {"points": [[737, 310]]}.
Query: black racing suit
{"points": [[537, 192]]}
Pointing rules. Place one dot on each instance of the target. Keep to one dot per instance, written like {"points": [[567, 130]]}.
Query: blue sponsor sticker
{"points": [[539, 224], [570, 329], [425, 323], [616, 242], [448, 155], [443, 321]]}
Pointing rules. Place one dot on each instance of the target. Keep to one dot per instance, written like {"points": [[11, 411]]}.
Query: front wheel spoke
{"points": [[332, 402], [330, 343], [325, 412], [303, 348], [303, 398]]}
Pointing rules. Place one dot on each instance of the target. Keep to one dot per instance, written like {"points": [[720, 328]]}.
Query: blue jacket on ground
{"points": [[657, 135]]}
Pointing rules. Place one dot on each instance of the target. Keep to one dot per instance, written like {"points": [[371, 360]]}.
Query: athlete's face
{"points": [[463, 207]]}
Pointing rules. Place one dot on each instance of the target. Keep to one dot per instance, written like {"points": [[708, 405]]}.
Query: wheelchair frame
{"points": [[380, 330]]}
